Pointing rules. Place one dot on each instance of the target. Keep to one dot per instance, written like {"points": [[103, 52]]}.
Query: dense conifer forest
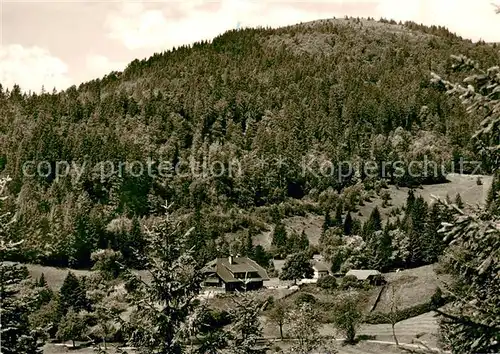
{"points": [[254, 113]]}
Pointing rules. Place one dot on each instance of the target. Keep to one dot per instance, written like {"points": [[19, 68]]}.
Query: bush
{"points": [[305, 298], [214, 319], [350, 281], [328, 283]]}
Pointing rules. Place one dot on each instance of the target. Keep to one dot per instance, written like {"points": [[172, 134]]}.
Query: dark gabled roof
{"points": [[226, 271]]}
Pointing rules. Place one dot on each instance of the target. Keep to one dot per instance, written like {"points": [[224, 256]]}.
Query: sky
{"points": [[60, 43]]}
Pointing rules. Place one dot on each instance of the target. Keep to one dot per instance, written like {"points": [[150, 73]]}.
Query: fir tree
{"points": [[410, 200], [72, 327], [165, 306], [41, 282], [303, 241], [433, 244], [327, 222], [348, 225], [261, 256], [15, 332], [72, 294], [337, 222], [246, 329], [492, 200], [458, 201], [280, 239], [373, 224]]}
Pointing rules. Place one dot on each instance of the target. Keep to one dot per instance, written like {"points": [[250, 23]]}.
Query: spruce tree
{"points": [[458, 201], [337, 222], [327, 222], [280, 239], [165, 307], [348, 224], [303, 241], [246, 328], [72, 294], [433, 244], [16, 334], [373, 224]]}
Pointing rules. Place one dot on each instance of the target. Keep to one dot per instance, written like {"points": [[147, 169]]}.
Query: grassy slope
{"points": [[464, 184]]}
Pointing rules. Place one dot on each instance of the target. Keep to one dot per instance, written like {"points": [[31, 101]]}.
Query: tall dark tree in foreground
{"points": [[246, 329], [16, 334], [163, 306], [472, 323], [348, 224]]}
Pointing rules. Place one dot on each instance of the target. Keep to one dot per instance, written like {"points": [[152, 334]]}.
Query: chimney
{"points": [[230, 259]]}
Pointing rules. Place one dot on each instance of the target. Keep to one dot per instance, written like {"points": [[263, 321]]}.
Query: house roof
{"points": [[226, 271], [363, 274], [320, 267]]}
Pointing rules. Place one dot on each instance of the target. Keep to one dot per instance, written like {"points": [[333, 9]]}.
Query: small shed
{"points": [[374, 277]]}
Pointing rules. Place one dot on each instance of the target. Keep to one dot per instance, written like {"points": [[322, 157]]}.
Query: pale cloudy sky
{"points": [[63, 42]]}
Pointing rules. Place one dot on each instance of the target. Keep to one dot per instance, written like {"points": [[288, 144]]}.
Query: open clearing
{"points": [[412, 287], [466, 185]]}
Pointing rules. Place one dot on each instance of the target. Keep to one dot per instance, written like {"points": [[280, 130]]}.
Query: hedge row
{"points": [[409, 312]]}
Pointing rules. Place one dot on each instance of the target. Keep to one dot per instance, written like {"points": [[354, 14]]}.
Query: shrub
{"points": [[305, 298], [328, 282], [350, 281], [214, 319]]}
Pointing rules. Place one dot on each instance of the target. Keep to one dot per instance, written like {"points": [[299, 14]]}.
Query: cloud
{"points": [[99, 65], [470, 19], [186, 22], [140, 26], [31, 68]]}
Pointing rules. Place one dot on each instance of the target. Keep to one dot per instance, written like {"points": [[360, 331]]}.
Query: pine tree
{"points": [[348, 225], [246, 329], [280, 239], [327, 223], [373, 224], [338, 215], [458, 201], [72, 294], [303, 241], [15, 332], [165, 307], [41, 282], [72, 326]]}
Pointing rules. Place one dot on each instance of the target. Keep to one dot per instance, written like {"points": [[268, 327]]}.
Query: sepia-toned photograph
{"points": [[250, 176]]}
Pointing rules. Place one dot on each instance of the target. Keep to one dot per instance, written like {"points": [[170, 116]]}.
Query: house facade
{"points": [[234, 274], [320, 270]]}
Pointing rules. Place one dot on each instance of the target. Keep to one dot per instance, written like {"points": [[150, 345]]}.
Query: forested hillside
{"points": [[248, 109]]}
